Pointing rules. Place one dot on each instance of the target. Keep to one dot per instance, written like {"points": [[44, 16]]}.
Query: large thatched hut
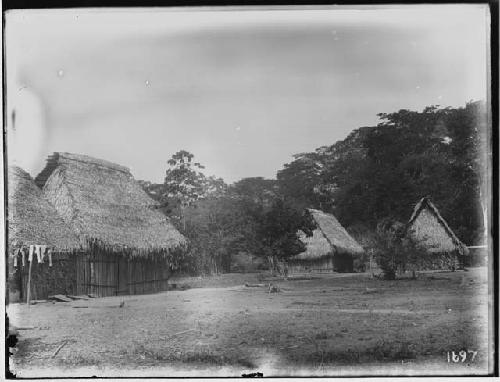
{"points": [[330, 248], [33, 221], [130, 245], [429, 229]]}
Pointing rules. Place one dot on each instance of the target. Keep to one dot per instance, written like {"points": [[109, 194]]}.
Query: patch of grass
{"points": [[25, 349], [306, 303], [80, 360], [190, 357], [382, 352], [393, 351], [321, 336]]}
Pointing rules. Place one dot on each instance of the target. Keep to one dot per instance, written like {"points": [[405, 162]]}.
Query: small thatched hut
{"points": [[330, 248], [428, 228], [32, 220], [131, 246]]}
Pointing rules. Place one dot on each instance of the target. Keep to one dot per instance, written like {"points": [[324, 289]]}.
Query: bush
{"points": [[388, 247], [397, 252], [359, 263]]}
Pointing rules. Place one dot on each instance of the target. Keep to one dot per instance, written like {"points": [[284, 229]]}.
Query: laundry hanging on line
{"points": [[30, 256], [43, 248], [39, 250], [38, 254]]}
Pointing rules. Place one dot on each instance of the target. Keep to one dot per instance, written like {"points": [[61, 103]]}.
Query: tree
{"points": [[278, 231], [388, 252], [381, 171], [185, 183], [214, 227], [397, 251], [258, 190], [302, 183]]}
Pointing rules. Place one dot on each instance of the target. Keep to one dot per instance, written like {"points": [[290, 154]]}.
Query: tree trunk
{"points": [[272, 264], [485, 217], [183, 219]]}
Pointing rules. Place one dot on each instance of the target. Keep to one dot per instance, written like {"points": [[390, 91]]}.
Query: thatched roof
{"points": [[32, 219], [427, 226], [329, 238], [103, 204]]}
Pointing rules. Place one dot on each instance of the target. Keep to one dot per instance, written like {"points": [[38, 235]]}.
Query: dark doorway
{"points": [[343, 263]]}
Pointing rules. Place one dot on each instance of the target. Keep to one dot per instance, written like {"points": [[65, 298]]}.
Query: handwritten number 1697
{"points": [[461, 356]]}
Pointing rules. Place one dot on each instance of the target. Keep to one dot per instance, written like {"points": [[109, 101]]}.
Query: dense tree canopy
{"points": [[382, 171], [377, 174]]}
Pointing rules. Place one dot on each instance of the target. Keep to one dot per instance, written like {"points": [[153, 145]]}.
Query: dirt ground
{"points": [[329, 325]]}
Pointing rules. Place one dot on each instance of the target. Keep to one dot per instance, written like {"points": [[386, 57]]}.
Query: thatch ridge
{"points": [[104, 204], [330, 231], [32, 219], [426, 203], [54, 160]]}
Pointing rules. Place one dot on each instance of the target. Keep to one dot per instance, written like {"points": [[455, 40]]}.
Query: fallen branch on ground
{"points": [[77, 297], [34, 302], [60, 297], [59, 348], [183, 332]]}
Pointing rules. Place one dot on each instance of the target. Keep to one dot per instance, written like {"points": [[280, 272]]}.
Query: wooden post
{"points": [[117, 263], [371, 272], [28, 294]]}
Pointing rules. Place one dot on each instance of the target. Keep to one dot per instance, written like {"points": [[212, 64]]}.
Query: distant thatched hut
{"points": [[330, 248], [130, 245], [428, 228], [32, 220]]}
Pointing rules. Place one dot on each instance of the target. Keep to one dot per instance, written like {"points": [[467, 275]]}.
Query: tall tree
{"points": [[302, 183], [278, 231]]}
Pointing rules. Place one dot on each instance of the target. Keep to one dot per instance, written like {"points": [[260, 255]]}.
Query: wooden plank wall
{"points": [[99, 273], [48, 280], [147, 276], [324, 265], [103, 275]]}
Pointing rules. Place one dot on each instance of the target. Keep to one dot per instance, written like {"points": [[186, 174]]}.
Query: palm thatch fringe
{"points": [[427, 226], [329, 238], [171, 255], [32, 220], [104, 205]]}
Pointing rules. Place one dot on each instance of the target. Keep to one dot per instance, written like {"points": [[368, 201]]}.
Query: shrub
{"points": [[388, 247]]}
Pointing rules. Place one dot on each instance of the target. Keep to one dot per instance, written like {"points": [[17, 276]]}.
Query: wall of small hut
{"points": [[443, 261], [478, 257], [326, 264], [321, 265], [428, 231]]}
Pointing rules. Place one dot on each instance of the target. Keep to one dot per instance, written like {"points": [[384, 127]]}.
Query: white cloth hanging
{"points": [[16, 252], [43, 248], [49, 252], [30, 256], [38, 254]]}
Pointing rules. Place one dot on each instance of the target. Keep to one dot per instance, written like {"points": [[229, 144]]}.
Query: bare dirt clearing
{"points": [[349, 325]]}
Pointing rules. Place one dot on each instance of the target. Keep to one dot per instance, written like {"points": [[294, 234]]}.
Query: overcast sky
{"points": [[242, 89]]}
